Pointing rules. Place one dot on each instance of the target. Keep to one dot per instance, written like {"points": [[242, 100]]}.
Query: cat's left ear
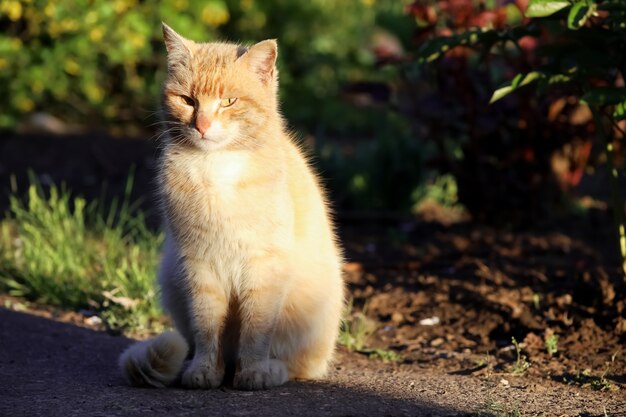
{"points": [[178, 48], [261, 58]]}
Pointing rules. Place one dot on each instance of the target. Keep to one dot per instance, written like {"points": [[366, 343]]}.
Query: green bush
{"points": [[90, 62], [577, 52], [98, 63], [323, 45], [383, 172]]}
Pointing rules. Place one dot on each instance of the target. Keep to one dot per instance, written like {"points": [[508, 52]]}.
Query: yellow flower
{"points": [[54, 29], [136, 40], [13, 10], [93, 93], [120, 6], [91, 17], [135, 82], [3, 63], [49, 9], [69, 25], [96, 34], [215, 14], [181, 4], [34, 19], [25, 104], [71, 67]]}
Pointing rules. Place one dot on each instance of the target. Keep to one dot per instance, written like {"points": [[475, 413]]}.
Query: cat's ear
{"points": [[261, 58], [178, 48]]}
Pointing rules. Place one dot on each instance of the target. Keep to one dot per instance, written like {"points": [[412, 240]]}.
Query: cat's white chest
{"points": [[224, 171]]}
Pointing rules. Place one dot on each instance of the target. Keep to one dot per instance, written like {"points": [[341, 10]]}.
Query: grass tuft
{"points": [[521, 364], [552, 344], [386, 355], [586, 378], [494, 409], [59, 250], [356, 328]]}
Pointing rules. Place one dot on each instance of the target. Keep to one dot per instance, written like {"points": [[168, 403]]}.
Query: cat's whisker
{"points": [[164, 123], [157, 136], [168, 131]]}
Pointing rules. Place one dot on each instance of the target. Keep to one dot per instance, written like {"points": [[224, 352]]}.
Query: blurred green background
{"points": [[100, 63], [393, 95]]}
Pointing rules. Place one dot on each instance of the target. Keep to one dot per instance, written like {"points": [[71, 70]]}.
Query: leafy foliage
{"points": [[546, 8], [99, 63], [496, 153], [591, 59], [88, 62], [383, 172], [572, 51], [597, 26]]}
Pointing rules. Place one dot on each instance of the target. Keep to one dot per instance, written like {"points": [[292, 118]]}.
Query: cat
{"points": [[251, 268]]}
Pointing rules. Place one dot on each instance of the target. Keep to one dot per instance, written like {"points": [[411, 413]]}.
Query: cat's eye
{"points": [[227, 102], [188, 101]]}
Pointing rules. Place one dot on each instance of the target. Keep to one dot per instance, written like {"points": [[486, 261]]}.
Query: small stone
{"points": [[431, 321], [93, 321], [397, 317], [437, 342]]}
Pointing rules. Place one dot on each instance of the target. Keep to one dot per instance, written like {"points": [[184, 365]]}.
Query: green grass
{"points": [[586, 378], [552, 344], [521, 364], [494, 409], [356, 328], [59, 250], [385, 355]]}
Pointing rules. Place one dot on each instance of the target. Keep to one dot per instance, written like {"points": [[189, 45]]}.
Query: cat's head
{"points": [[218, 95]]}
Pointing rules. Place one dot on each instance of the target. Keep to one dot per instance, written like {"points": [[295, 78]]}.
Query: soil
{"points": [[447, 297], [454, 297]]}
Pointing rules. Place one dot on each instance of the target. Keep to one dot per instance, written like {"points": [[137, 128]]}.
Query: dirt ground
{"points": [[453, 297]]}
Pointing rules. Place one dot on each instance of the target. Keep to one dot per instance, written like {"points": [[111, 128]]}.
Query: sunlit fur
{"points": [[251, 271]]}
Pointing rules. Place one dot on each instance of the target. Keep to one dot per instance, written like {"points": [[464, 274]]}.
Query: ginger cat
{"points": [[251, 270]]}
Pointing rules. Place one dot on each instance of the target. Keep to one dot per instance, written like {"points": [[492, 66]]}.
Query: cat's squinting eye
{"points": [[188, 101], [227, 102]]}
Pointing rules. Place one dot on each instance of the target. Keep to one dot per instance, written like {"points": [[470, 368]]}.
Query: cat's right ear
{"points": [[178, 48], [261, 59]]}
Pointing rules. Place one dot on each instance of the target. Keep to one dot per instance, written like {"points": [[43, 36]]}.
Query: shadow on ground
{"points": [[50, 368]]}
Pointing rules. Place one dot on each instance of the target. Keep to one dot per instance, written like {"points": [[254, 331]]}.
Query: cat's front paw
{"points": [[202, 377], [260, 377]]}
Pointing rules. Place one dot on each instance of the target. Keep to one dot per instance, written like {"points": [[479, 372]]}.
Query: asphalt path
{"points": [[48, 368]]}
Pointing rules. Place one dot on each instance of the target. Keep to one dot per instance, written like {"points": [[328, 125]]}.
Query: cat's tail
{"points": [[155, 362]]}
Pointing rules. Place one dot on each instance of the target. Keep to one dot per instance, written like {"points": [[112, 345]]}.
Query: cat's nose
{"points": [[203, 123]]}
